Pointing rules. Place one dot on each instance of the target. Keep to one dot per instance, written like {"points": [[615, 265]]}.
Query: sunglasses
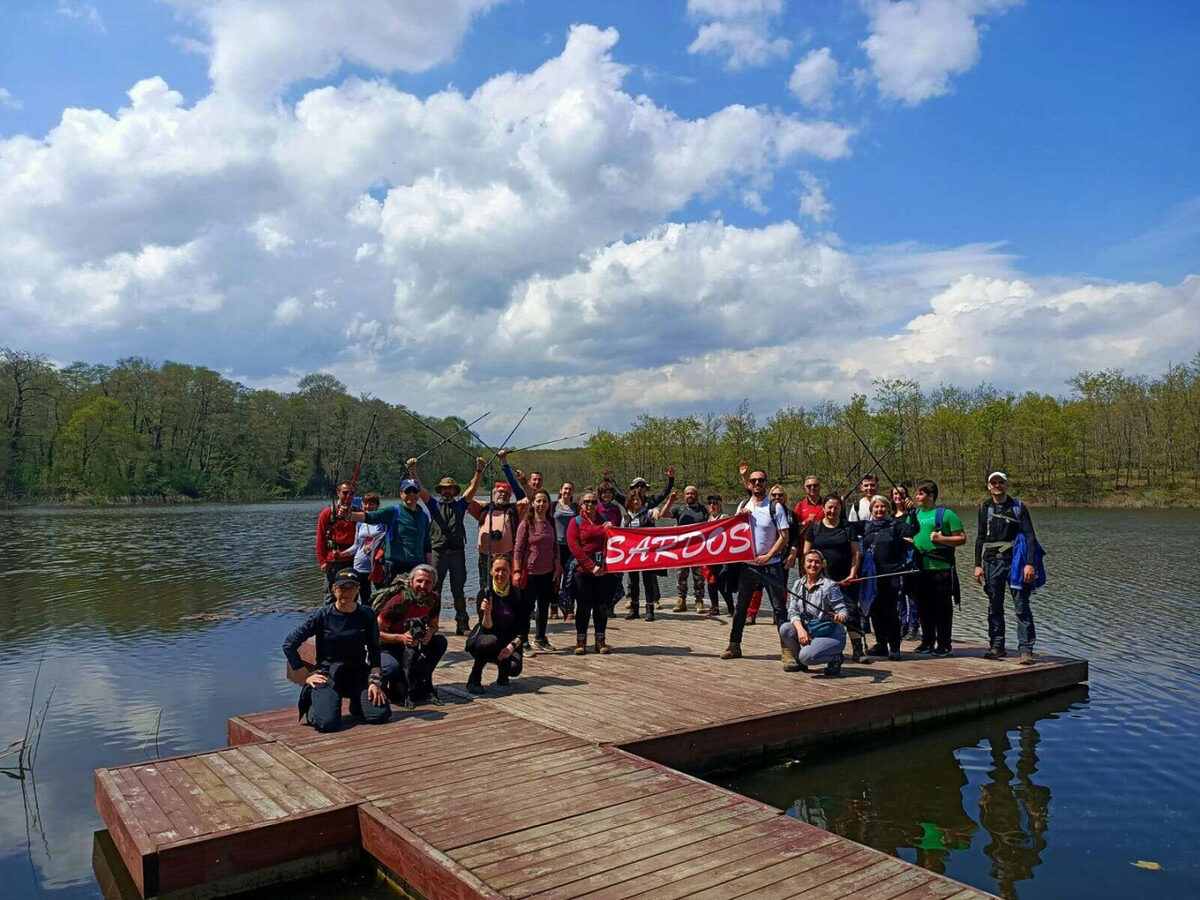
{"points": [[588, 502], [758, 481], [343, 493], [411, 491], [815, 486], [777, 496]]}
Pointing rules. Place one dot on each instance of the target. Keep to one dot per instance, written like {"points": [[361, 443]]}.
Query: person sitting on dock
{"points": [[814, 632], [347, 660], [496, 638], [412, 646]]}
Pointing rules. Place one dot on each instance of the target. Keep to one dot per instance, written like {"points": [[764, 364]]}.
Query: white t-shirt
{"points": [[366, 539], [861, 510], [766, 532]]}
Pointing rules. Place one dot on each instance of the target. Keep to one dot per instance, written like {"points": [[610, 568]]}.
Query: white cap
{"points": [[998, 475]]}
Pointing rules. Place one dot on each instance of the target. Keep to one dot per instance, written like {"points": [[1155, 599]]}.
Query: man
{"points": [[498, 522], [938, 531], [407, 544], [408, 634], [335, 536], [810, 509], [522, 487], [1001, 519], [448, 538], [861, 511], [642, 486], [690, 512], [769, 524]]}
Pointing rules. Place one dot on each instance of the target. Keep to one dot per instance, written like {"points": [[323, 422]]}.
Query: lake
{"points": [[155, 625]]}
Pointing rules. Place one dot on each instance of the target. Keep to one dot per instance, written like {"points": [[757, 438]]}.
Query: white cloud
{"points": [[81, 12], [813, 203], [915, 46], [8, 101], [259, 47], [813, 79], [288, 310], [740, 31]]}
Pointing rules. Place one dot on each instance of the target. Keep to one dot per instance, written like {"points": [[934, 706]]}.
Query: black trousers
{"points": [[723, 585], [453, 564], [364, 587], [592, 596], [636, 580], [408, 671], [771, 579], [486, 649], [325, 711], [539, 591], [934, 589], [885, 615]]}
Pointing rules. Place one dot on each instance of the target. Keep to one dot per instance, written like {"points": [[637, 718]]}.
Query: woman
{"points": [[536, 566], [496, 638], [838, 542], [910, 623], [562, 511], [607, 505], [587, 536], [816, 610], [347, 660], [722, 580], [884, 539], [367, 539], [638, 516]]}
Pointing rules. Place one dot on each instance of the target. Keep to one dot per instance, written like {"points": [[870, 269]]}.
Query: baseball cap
{"points": [[409, 484]]}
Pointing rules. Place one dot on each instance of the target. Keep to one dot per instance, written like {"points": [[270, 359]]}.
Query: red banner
{"points": [[728, 540]]}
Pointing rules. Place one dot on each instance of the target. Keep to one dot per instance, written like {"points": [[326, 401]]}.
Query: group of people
{"points": [[884, 564]]}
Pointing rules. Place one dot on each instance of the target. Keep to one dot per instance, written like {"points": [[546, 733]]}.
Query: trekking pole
{"points": [[872, 455], [496, 453], [362, 453], [884, 575], [886, 453], [446, 440], [435, 431], [546, 443]]}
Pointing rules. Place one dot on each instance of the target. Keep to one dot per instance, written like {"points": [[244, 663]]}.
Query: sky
{"points": [[603, 208]]}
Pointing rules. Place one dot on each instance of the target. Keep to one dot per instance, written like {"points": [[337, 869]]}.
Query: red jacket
{"points": [[342, 534], [586, 539]]}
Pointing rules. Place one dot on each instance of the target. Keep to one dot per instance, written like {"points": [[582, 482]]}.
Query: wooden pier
{"points": [[576, 781]]}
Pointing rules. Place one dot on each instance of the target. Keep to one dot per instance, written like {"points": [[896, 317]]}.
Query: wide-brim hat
{"points": [[449, 482]]}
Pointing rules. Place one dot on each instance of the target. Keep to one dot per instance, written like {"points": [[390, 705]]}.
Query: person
{"points": [[406, 539], [795, 541], [522, 487], [639, 484], [860, 512], [607, 506], [563, 510], [497, 637], [721, 579], [498, 521], [810, 508], [837, 540], [814, 633], [536, 566], [636, 516], [769, 526], [1001, 519], [587, 537], [448, 539], [347, 660], [690, 512], [335, 535], [884, 539], [910, 629], [367, 539], [937, 532], [409, 633]]}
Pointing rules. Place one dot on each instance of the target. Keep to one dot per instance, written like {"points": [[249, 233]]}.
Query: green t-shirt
{"points": [[927, 519]]}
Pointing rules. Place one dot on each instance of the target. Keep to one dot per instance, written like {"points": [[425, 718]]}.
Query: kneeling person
{"points": [[814, 632], [412, 646], [348, 660], [503, 617]]}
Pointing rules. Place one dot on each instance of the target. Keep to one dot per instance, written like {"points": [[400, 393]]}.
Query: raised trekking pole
{"points": [[867, 447], [496, 453], [547, 443], [886, 453], [362, 453], [488, 509], [446, 440], [421, 421]]}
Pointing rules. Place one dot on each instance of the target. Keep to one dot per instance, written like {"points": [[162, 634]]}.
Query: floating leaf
{"points": [[1147, 864]]}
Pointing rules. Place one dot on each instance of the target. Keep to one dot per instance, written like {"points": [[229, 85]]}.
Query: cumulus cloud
{"points": [[813, 202], [813, 79], [739, 31], [259, 47], [916, 46]]}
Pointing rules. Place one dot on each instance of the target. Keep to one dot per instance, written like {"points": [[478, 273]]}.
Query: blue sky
{"points": [[994, 152]]}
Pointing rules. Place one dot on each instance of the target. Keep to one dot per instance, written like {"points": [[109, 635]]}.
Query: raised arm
{"points": [[670, 485], [509, 476]]}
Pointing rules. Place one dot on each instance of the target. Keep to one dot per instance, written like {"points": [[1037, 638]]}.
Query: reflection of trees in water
{"points": [[908, 794]]}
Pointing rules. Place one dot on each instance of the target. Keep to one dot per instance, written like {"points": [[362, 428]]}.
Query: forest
{"points": [[139, 431]]}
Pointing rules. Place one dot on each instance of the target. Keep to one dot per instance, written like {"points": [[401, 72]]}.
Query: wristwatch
{"points": [[375, 680]]}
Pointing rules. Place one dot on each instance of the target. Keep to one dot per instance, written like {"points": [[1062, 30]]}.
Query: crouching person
{"points": [[348, 660], [412, 646], [814, 633], [503, 616]]}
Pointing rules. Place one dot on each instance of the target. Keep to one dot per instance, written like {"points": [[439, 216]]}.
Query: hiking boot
{"points": [[580, 644], [790, 663], [834, 667], [699, 605], [713, 611], [894, 656], [1026, 658], [680, 605], [733, 651], [996, 653], [751, 620], [650, 613], [785, 654], [634, 613], [434, 697], [474, 686], [460, 628], [859, 656], [502, 678], [602, 645], [878, 650]]}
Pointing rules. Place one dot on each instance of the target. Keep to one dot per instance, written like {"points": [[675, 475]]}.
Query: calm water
{"points": [[169, 620]]}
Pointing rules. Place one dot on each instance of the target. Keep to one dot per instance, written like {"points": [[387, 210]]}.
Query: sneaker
{"points": [[834, 669], [877, 650], [542, 644], [713, 611], [434, 697], [502, 679], [751, 620], [941, 652], [923, 648], [894, 656], [1026, 658], [733, 651], [996, 653]]}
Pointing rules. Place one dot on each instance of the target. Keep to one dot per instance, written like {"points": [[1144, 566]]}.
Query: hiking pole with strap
{"points": [[495, 453], [435, 431], [546, 443], [362, 453], [867, 447], [446, 440]]}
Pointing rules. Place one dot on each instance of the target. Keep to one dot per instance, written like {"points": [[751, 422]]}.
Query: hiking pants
{"points": [[935, 604], [539, 592], [408, 671], [592, 596], [819, 650], [885, 615], [325, 713], [454, 564], [751, 577], [650, 580], [722, 586], [995, 584], [681, 583], [486, 649]]}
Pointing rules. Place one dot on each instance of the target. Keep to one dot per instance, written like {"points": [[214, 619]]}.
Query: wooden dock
{"points": [[576, 781]]}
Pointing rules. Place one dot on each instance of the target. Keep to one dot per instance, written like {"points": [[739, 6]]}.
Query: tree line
{"points": [[140, 430]]}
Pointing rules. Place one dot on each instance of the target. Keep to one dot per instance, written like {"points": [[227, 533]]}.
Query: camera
{"points": [[417, 628], [496, 534]]}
